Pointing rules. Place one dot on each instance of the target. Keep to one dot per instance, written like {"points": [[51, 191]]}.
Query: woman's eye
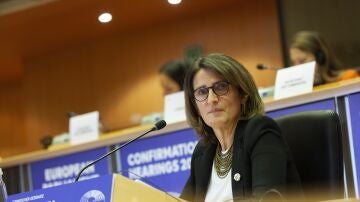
{"points": [[202, 91]]}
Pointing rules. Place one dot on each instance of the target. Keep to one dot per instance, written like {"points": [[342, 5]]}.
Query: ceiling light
{"points": [[174, 1], [105, 17]]}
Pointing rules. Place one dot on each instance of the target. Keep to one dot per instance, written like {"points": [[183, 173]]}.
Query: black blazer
{"points": [[261, 161]]}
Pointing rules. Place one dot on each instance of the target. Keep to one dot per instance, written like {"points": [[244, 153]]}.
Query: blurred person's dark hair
{"points": [[176, 70]]}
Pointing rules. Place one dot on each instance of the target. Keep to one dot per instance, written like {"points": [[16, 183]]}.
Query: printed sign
{"points": [[174, 108], [295, 80], [161, 161], [99, 189], [84, 128], [64, 169]]}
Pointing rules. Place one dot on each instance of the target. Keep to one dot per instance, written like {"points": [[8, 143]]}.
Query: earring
{"points": [[200, 122], [243, 109], [243, 105]]}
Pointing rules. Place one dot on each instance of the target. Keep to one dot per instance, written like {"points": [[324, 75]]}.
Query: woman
{"points": [[172, 76], [242, 153], [308, 46]]}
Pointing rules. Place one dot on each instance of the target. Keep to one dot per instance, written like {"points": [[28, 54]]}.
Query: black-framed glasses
{"points": [[219, 88]]}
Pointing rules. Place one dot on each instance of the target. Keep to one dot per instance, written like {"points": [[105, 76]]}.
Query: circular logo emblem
{"points": [[93, 196]]}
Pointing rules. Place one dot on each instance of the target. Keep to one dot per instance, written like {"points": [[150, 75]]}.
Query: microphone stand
{"points": [[159, 125]]}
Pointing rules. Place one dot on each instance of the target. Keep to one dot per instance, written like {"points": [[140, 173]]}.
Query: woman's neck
{"points": [[225, 135]]}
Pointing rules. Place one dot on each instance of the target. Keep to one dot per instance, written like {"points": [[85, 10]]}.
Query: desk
{"points": [[344, 97]]}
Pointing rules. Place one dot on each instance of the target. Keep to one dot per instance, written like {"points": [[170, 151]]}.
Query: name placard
{"points": [[295, 80], [84, 128], [174, 110], [97, 189]]}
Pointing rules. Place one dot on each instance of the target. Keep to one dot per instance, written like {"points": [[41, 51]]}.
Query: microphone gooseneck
{"points": [[261, 66], [158, 125]]}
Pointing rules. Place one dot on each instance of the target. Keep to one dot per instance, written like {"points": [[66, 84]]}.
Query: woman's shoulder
{"points": [[258, 126], [261, 121], [201, 147]]}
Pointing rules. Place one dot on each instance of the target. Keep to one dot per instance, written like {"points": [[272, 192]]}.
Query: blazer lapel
{"points": [[238, 170]]}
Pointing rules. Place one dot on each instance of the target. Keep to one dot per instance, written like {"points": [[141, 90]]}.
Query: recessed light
{"points": [[174, 1], [105, 17]]}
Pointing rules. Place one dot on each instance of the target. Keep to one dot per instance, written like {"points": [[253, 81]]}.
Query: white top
{"points": [[219, 189], [1, 172]]}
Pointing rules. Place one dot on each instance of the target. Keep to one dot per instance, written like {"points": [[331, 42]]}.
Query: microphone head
{"points": [[160, 124], [71, 114], [261, 66]]}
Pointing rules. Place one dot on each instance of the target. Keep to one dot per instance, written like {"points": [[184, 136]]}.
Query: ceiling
{"points": [[35, 30]]}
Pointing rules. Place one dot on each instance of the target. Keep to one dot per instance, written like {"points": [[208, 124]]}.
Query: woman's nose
{"points": [[212, 97]]}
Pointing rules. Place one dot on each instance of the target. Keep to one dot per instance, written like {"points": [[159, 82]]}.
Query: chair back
{"points": [[314, 138]]}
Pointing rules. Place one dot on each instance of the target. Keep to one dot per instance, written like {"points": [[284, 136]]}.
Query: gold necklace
{"points": [[223, 161]]}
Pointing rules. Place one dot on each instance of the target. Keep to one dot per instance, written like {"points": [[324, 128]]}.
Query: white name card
{"points": [[295, 80], [84, 128], [174, 110]]}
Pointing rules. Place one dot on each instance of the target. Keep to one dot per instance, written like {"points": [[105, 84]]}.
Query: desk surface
{"points": [[320, 93]]}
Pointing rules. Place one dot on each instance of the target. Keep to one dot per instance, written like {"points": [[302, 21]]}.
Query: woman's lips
{"points": [[215, 110]]}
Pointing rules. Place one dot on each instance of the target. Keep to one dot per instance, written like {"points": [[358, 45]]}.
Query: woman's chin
{"points": [[217, 122]]}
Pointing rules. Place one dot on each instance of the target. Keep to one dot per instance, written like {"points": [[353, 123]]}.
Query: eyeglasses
{"points": [[219, 88]]}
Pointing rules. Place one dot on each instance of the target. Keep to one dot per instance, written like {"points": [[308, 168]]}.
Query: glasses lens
{"points": [[201, 94], [221, 88]]}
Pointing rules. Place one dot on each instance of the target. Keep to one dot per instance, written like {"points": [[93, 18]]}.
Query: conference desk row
{"points": [[162, 159]]}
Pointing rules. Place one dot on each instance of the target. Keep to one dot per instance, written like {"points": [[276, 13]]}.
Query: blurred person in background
{"points": [[172, 76], [307, 46]]}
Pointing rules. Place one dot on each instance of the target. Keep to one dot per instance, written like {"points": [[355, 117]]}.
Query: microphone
{"points": [[262, 67], [158, 125], [71, 114]]}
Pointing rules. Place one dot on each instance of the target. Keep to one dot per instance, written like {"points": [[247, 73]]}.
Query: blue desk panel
{"points": [[64, 169], [161, 161], [328, 104], [99, 189]]}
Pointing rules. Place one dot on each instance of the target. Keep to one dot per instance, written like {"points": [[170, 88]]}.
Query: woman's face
{"points": [[298, 57], [168, 84], [217, 111]]}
